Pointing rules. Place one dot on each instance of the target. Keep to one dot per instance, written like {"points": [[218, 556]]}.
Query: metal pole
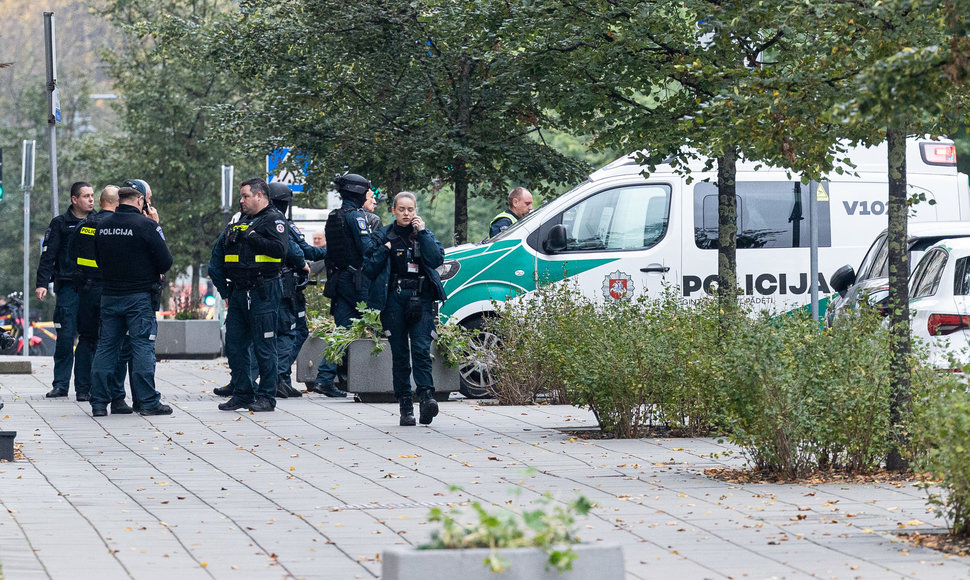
{"points": [[53, 103], [813, 252], [28, 156]]}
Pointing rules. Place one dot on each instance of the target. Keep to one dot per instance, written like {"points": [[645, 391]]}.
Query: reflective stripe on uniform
{"points": [[86, 262], [264, 258], [232, 258]]}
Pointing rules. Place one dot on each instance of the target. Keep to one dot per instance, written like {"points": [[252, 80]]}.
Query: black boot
{"points": [[428, 406], [407, 412], [225, 391]]}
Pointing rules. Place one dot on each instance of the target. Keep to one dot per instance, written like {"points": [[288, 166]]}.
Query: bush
{"points": [[799, 397], [944, 432], [634, 363]]}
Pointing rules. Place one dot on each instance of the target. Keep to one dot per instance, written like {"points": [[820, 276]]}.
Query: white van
{"points": [[621, 234]]}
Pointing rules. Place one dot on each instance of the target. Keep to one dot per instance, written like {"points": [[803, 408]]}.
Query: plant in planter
{"points": [[338, 338], [550, 527], [453, 343]]}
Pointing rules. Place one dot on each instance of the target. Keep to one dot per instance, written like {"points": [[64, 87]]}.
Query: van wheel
{"points": [[476, 380]]}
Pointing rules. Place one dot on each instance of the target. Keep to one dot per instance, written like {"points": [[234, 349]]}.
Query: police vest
{"points": [[84, 243], [341, 249], [241, 260], [504, 214], [405, 256]]}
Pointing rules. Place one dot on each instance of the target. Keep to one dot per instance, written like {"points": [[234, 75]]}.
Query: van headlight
{"points": [[448, 269]]}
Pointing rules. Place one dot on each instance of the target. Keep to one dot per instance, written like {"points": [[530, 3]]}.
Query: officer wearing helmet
{"points": [[293, 330], [348, 237]]}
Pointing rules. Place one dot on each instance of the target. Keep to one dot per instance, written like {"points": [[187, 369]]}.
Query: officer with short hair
{"points": [[348, 237], [132, 255], [293, 325], [253, 259], [520, 204], [89, 297], [56, 266]]}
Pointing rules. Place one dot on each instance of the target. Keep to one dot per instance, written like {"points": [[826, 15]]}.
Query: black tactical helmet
{"points": [[353, 185], [280, 195]]}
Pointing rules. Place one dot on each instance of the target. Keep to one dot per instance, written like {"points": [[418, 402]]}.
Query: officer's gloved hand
{"points": [[6, 341]]}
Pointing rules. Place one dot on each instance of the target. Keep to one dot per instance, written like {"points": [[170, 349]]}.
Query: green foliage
{"points": [[634, 363], [798, 397], [452, 343], [550, 527], [944, 433], [338, 338]]}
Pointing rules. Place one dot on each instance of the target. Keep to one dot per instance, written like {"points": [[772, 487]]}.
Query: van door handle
{"points": [[656, 269]]}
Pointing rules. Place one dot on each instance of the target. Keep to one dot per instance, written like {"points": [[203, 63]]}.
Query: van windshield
{"points": [[541, 210]]}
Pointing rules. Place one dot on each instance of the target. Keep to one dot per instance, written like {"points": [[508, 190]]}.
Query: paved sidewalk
{"points": [[318, 488]]}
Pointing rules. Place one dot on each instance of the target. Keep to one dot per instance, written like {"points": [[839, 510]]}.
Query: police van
{"points": [[619, 234]]}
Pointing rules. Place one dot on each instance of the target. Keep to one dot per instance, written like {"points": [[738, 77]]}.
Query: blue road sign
{"points": [[276, 173]]}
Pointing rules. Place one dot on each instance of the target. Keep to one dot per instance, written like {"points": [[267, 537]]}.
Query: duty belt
{"points": [[416, 284]]}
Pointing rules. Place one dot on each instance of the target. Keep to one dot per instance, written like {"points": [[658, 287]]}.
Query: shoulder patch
{"points": [[160, 234], [362, 223], [280, 228]]}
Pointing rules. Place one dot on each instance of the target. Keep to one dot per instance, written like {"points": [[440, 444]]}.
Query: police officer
{"points": [[89, 297], [520, 204], [296, 274], [56, 266], [348, 237], [132, 255], [407, 253], [253, 258]]}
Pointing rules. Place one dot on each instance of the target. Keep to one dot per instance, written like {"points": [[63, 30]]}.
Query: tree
{"points": [[689, 80], [168, 129], [409, 94], [911, 80]]}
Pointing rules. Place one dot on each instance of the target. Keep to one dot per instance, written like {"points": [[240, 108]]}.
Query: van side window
{"points": [[926, 279], [771, 214], [623, 218]]}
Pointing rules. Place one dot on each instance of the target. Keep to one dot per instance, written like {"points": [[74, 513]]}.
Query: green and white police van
{"points": [[619, 234]]}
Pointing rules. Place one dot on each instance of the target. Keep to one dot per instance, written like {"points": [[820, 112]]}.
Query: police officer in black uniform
{"points": [[405, 254], [89, 297], [57, 267], [253, 258], [293, 325], [132, 256], [348, 237]]}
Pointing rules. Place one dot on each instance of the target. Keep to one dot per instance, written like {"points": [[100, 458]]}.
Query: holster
{"points": [[412, 312], [156, 295]]}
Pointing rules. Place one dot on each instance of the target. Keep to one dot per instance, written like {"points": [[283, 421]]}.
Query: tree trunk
{"points": [[459, 179], [727, 232], [899, 376], [459, 171]]}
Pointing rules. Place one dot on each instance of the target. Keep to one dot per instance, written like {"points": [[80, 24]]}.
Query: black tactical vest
{"points": [[341, 250]]}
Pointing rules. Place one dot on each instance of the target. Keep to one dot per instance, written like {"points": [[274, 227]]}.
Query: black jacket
{"points": [[55, 263], [131, 252], [82, 252], [255, 247]]}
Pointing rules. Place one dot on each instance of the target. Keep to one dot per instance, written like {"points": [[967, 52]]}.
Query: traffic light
{"points": [[210, 295]]}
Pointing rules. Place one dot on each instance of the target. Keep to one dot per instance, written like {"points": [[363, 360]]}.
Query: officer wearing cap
{"points": [[253, 253], [132, 255], [293, 330], [348, 236], [56, 266]]}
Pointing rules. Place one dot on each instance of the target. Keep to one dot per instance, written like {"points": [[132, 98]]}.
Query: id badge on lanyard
{"points": [[412, 265]]}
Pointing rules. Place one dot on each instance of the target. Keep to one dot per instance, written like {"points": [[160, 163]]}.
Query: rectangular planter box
{"points": [[199, 339], [598, 561], [6, 444], [369, 376]]}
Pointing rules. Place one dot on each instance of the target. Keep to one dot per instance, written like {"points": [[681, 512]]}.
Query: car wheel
{"points": [[476, 377]]}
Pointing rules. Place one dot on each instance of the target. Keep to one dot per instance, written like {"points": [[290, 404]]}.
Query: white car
{"points": [[939, 301]]}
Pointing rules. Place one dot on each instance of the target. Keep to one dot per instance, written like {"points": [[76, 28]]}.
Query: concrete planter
{"points": [[6, 445], [599, 561], [369, 376], [197, 339]]}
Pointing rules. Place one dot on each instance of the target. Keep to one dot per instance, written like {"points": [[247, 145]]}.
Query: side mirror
{"points": [[842, 279], [556, 240]]}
